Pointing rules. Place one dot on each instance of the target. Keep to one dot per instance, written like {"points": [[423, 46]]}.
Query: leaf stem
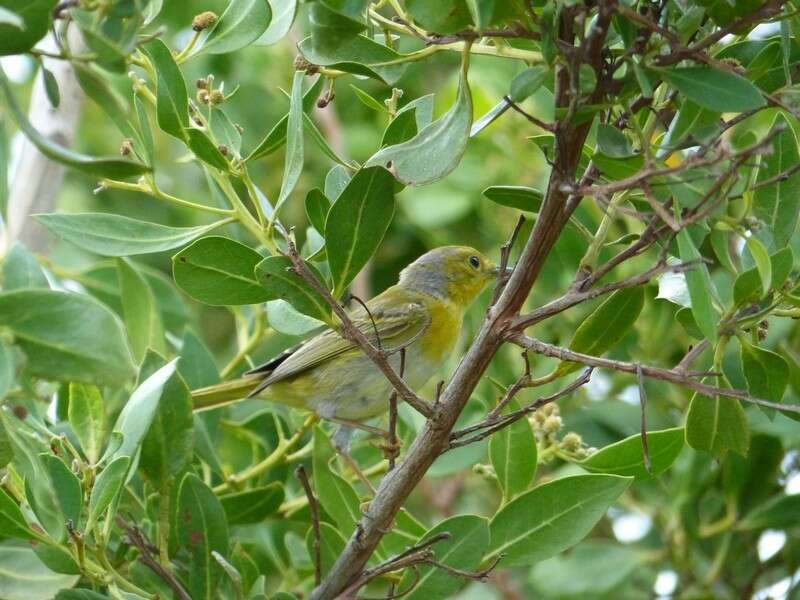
{"points": [[276, 457], [148, 186]]}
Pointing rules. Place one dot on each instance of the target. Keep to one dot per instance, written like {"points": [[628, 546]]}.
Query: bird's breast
{"points": [[442, 334]]}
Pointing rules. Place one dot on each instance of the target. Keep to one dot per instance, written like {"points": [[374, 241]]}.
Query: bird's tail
{"points": [[228, 392]]}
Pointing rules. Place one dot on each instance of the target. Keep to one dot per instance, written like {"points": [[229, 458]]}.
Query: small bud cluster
{"points": [[547, 424], [207, 94]]}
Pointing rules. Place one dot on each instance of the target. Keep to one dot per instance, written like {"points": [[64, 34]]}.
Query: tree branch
{"points": [[671, 375], [434, 437]]}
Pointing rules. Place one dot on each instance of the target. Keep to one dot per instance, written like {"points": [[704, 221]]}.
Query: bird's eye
{"points": [[475, 261]]}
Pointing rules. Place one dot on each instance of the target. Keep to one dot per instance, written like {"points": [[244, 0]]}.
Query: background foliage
{"points": [[153, 285]]}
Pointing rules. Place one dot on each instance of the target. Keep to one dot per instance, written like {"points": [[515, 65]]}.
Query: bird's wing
{"points": [[395, 326]]}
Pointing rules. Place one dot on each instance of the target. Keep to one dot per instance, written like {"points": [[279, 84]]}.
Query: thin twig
{"points": [[505, 254], [493, 425], [652, 372], [136, 538], [392, 442], [313, 507]]}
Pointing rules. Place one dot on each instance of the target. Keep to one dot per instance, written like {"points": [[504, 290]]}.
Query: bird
{"points": [[330, 376]]}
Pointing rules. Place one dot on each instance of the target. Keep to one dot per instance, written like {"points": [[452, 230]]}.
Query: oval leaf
{"points": [[720, 91], [242, 23], [552, 517], [219, 271], [58, 331], [435, 150], [276, 276], [627, 459], [356, 224], [114, 235]]}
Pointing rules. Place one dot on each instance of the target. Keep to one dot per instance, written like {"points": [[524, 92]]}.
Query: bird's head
{"points": [[454, 273]]}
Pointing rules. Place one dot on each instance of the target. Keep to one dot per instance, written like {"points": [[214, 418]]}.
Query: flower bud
{"points": [[572, 442], [216, 97], [552, 424], [203, 97], [204, 20], [126, 147]]}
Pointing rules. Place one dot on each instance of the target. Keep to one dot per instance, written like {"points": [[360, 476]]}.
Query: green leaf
{"points": [[254, 505], [25, 577], [5, 161], [626, 457], [283, 16], [445, 16], [51, 87], [66, 486], [402, 128], [717, 425], [241, 24], [201, 530], [513, 453], [8, 369], [761, 257], [58, 331], [21, 270], [204, 149], [293, 163], [113, 167], [359, 55], [197, 365], [612, 142], [12, 523], [331, 28], [276, 276], [435, 150], [515, 196], [720, 91], [778, 204], [20, 34], [284, 318], [527, 81], [114, 235], [606, 325], [369, 101], [356, 224], [277, 135], [332, 545], [169, 444], [779, 512], [139, 310], [481, 12], [552, 517], [699, 283], [138, 413], [87, 419], [107, 485], [767, 373], [219, 271], [469, 539], [594, 569], [172, 100], [748, 284], [317, 207], [337, 496]]}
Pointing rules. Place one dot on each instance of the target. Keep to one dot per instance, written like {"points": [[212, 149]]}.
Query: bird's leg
{"points": [[389, 446], [341, 443]]}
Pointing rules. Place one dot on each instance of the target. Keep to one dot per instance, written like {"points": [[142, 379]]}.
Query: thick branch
{"points": [[434, 437]]}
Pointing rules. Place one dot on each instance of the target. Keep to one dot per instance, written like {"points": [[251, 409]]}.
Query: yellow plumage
{"points": [[331, 377]]}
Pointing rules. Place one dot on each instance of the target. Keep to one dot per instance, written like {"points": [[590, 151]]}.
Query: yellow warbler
{"points": [[332, 377]]}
